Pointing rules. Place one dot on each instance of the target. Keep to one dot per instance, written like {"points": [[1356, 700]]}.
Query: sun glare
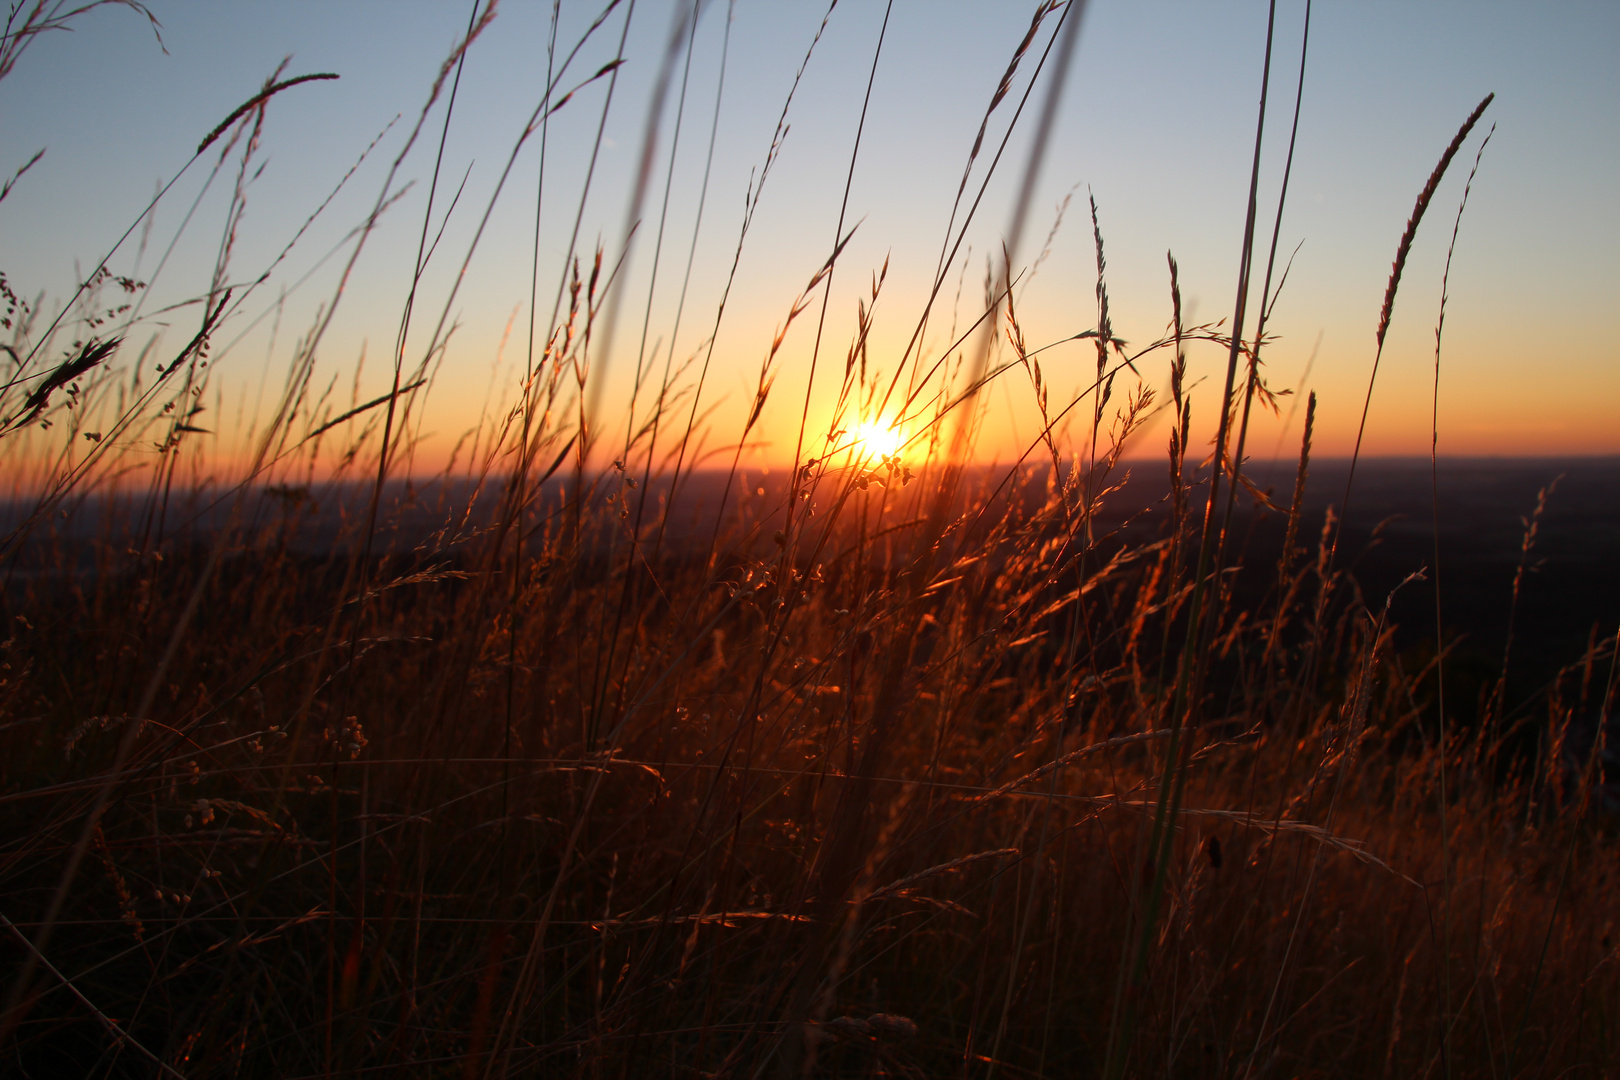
{"points": [[878, 441]]}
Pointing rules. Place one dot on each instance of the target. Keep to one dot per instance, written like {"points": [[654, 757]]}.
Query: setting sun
{"points": [[876, 440]]}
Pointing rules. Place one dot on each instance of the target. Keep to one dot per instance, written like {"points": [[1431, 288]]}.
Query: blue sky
{"points": [[1157, 124]]}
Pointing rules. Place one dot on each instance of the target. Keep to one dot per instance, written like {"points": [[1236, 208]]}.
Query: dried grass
{"points": [[648, 770]]}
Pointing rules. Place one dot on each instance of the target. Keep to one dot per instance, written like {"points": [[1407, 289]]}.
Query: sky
{"points": [[1155, 123]]}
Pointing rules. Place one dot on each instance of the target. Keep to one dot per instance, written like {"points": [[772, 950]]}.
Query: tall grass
{"points": [[898, 765]]}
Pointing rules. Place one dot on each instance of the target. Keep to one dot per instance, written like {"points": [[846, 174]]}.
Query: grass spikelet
{"points": [[1042, 10], [258, 99], [1424, 198], [91, 355]]}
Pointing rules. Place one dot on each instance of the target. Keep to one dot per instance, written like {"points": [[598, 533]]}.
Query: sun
{"points": [[878, 440]]}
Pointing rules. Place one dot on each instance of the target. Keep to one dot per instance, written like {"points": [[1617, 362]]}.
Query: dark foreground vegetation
{"points": [[891, 766], [883, 804]]}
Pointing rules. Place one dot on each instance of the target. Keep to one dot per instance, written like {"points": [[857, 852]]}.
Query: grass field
{"points": [[895, 763]]}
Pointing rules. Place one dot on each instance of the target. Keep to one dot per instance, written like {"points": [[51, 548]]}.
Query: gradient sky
{"points": [[1156, 123]]}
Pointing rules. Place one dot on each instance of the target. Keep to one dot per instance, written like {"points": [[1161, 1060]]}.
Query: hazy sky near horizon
{"points": [[1156, 123]]}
